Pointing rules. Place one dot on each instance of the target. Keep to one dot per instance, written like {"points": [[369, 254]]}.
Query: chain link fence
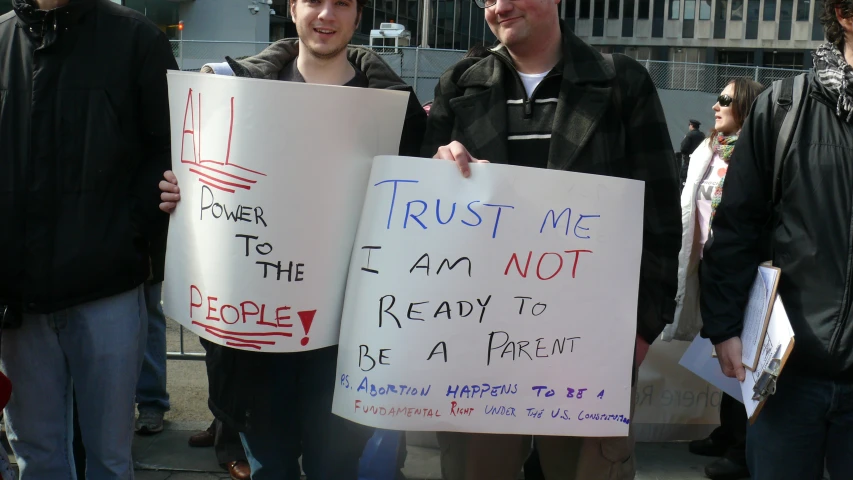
{"points": [[422, 67], [709, 78]]}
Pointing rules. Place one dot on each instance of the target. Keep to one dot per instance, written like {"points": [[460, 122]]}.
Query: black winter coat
{"points": [[84, 139], [811, 236]]}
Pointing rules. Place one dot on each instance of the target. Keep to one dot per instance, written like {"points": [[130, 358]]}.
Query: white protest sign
{"points": [[272, 177], [503, 303]]}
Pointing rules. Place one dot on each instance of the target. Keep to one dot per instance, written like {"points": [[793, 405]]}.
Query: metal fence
{"points": [[422, 67]]}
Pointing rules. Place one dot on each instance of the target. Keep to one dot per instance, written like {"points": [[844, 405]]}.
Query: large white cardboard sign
{"points": [[272, 177], [502, 303]]}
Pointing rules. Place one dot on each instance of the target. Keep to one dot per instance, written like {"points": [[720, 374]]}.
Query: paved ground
{"points": [[167, 455]]}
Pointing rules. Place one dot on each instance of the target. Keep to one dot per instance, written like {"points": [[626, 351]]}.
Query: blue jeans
{"points": [[807, 423], [97, 345], [303, 424], [151, 388]]}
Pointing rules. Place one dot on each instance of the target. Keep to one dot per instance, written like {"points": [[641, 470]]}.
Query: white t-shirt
{"points": [[531, 81], [704, 195]]}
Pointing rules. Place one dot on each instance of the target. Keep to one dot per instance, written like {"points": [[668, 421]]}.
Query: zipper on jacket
{"points": [[527, 102], [845, 309]]}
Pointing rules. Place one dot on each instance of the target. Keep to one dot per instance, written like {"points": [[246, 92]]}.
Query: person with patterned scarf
{"points": [[800, 219], [700, 197]]}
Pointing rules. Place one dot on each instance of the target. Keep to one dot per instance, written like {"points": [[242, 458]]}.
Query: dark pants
{"points": [[807, 423], [303, 385], [732, 429], [226, 444]]}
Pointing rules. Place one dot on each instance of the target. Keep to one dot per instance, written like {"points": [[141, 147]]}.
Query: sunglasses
{"points": [[724, 100]]}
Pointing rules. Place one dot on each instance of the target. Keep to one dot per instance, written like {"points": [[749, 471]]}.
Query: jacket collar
{"points": [[62, 17], [272, 60], [585, 96], [581, 64]]}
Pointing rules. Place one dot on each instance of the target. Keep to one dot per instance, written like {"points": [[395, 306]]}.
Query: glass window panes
{"points": [[737, 10], [613, 9], [689, 9], [643, 9], [674, 7], [817, 28], [584, 13], [803, 11], [570, 8], [769, 10], [704, 9]]}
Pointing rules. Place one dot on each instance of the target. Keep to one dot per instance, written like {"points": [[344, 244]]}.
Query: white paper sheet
{"points": [[756, 315], [502, 303], [777, 341], [272, 177]]}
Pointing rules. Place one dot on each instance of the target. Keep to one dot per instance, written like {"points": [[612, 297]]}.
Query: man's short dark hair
{"points": [[360, 4], [832, 29]]}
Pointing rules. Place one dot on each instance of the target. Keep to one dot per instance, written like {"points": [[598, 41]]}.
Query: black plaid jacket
{"points": [[595, 131]]}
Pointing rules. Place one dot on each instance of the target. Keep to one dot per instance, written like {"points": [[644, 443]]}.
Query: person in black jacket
{"points": [[691, 141], [807, 422], [282, 402], [84, 130]]}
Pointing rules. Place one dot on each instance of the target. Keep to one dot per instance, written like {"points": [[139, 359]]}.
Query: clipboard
{"points": [[776, 348], [756, 317], [758, 385]]}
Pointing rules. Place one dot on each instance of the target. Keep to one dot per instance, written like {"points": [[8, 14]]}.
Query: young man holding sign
{"points": [[282, 402], [544, 99]]}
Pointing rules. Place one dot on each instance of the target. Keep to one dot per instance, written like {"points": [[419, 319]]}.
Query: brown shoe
{"points": [[239, 470], [202, 439]]}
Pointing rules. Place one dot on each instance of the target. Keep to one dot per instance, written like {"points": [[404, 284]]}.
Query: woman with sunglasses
{"points": [[699, 198]]}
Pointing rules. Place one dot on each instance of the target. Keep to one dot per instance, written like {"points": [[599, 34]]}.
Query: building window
{"points": [[786, 13], [803, 10], [598, 18], [735, 57], [613, 10], [584, 13], [657, 18], [737, 10], [674, 7], [720, 19], [792, 60], [704, 9], [689, 15], [769, 10], [689, 9], [570, 8], [817, 28], [643, 9], [753, 11], [628, 19]]}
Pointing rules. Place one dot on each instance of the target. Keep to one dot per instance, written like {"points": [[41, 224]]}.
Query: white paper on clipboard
{"points": [[756, 316]]}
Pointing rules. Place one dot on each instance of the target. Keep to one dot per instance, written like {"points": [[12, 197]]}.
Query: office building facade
{"points": [[770, 33], [764, 33]]}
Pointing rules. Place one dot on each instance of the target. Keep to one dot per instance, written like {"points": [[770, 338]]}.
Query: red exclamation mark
{"points": [[307, 317]]}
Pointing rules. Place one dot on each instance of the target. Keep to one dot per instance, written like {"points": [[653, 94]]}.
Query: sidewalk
{"points": [[167, 456]]}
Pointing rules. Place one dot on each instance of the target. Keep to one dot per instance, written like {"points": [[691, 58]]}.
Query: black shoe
{"points": [[708, 447], [725, 469]]}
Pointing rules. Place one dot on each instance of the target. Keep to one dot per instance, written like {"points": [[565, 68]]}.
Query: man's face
{"points": [[517, 22], [325, 27]]}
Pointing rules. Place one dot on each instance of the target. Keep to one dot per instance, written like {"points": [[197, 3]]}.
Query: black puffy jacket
{"points": [[84, 139], [812, 237]]}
